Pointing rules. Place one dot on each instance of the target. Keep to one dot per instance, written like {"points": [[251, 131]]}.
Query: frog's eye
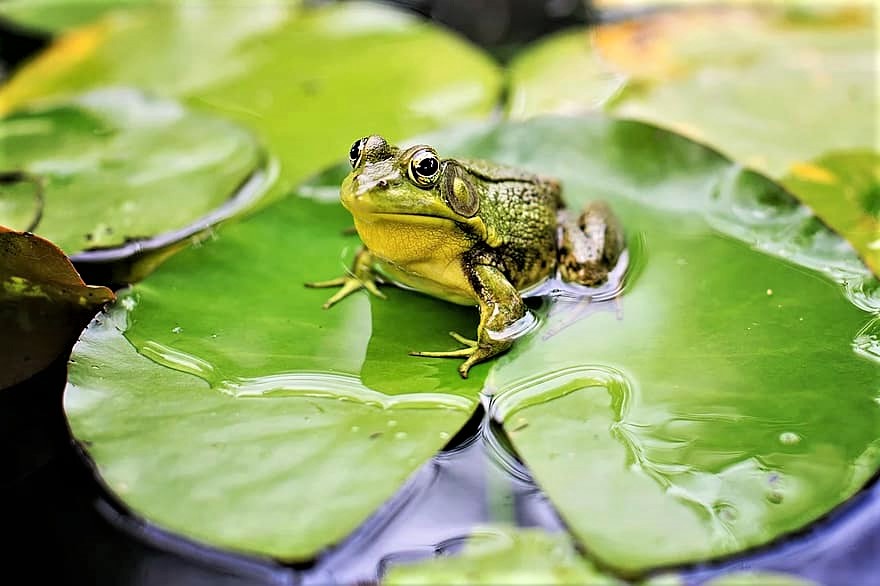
{"points": [[354, 154], [424, 167]]}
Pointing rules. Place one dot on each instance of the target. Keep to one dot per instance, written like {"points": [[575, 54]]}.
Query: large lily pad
{"points": [[256, 63], [114, 169], [730, 394], [730, 397], [218, 399]]}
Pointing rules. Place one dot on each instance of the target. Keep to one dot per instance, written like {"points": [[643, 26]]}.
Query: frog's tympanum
{"points": [[469, 232]]}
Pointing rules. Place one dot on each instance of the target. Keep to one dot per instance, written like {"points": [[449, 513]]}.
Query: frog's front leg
{"points": [[361, 276], [500, 307]]}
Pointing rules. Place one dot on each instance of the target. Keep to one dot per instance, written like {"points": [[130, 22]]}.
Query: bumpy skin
{"points": [[469, 232]]}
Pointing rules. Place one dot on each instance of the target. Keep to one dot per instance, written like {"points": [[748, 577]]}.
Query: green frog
{"points": [[469, 232]]}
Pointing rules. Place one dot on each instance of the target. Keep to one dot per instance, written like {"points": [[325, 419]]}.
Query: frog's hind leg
{"points": [[500, 307], [589, 245]]}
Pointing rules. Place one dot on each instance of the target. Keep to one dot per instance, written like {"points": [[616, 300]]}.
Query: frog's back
{"points": [[521, 209]]}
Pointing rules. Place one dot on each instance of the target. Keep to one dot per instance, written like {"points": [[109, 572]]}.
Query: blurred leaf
{"points": [[758, 83], [115, 166], [43, 305], [498, 555], [843, 188], [256, 63]]}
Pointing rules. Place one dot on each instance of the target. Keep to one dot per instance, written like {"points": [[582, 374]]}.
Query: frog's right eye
{"points": [[356, 151], [424, 167]]}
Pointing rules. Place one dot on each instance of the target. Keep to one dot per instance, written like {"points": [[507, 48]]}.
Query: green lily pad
{"points": [[843, 188], [218, 400], [502, 555], [256, 63], [112, 170], [758, 83], [730, 394]]}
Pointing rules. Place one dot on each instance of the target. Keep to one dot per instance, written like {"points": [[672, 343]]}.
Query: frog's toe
{"points": [[466, 341], [326, 284], [373, 289], [349, 286], [460, 353]]}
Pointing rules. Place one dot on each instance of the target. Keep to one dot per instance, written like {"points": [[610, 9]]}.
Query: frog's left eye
{"points": [[356, 151], [424, 167]]}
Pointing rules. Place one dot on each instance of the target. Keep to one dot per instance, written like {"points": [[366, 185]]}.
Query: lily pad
{"points": [[44, 304], [729, 395], [843, 188], [219, 401], [255, 63], [116, 172], [502, 555]]}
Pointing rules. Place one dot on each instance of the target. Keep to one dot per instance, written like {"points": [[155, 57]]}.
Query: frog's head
{"points": [[386, 180]]}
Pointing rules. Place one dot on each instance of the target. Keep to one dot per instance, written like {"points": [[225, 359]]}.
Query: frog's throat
{"points": [[475, 225]]}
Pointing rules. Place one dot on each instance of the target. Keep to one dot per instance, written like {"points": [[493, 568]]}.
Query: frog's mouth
{"points": [[413, 217]]}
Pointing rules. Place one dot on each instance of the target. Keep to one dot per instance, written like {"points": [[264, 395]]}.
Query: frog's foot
{"points": [[348, 286], [472, 353]]}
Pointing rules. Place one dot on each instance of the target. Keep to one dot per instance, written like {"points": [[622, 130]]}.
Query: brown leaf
{"points": [[44, 304]]}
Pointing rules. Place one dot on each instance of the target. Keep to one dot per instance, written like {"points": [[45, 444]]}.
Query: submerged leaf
{"points": [[43, 305], [500, 555]]}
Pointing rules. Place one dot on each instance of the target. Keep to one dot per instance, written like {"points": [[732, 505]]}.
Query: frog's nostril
{"points": [[382, 183]]}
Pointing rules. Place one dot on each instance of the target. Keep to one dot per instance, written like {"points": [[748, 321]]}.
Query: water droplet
{"points": [[775, 497], [355, 428], [176, 330], [444, 435], [400, 435], [789, 438], [392, 423], [769, 291]]}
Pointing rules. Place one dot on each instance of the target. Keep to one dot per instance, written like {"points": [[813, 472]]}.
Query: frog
{"points": [[470, 232]]}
